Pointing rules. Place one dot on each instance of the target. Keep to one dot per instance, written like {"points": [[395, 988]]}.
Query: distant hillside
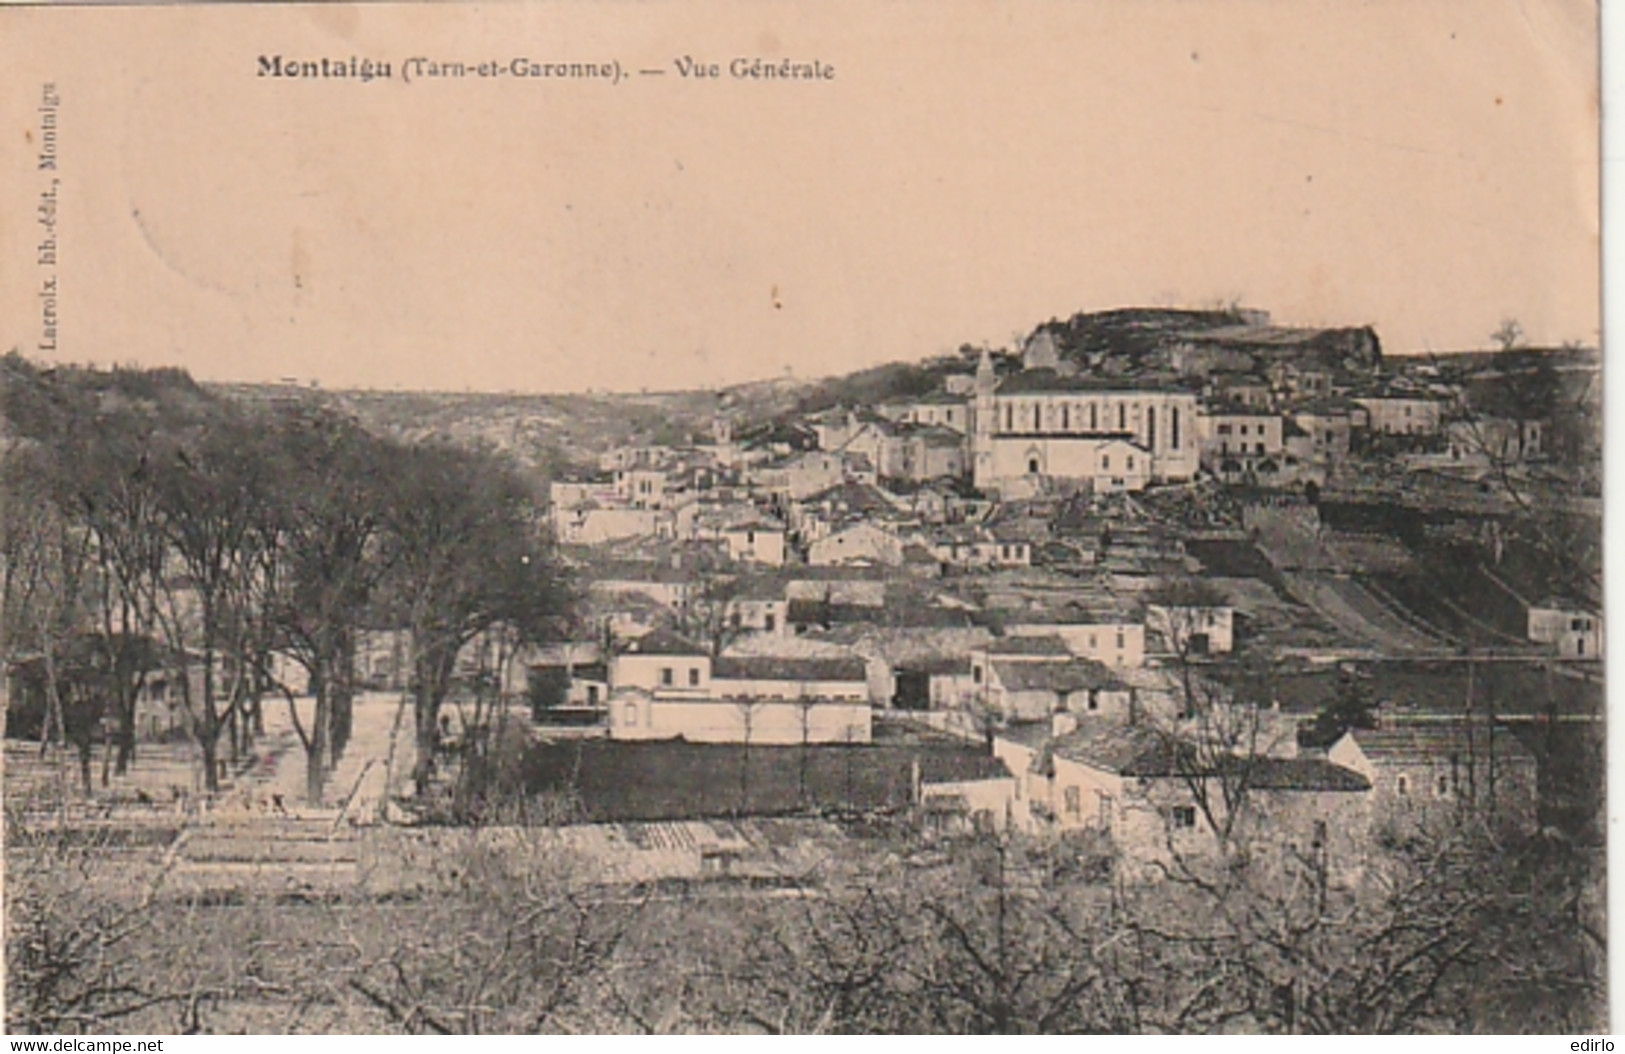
{"points": [[548, 432], [39, 401], [1139, 341], [880, 384], [543, 433]]}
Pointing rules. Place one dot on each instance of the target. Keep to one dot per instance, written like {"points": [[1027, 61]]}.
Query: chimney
{"points": [[1062, 723]]}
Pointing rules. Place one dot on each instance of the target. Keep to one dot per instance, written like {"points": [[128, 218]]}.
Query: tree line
{"points": [[151, 528]]}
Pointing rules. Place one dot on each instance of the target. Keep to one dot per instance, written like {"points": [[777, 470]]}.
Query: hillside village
{"points": [[1064, 551], [1152, 590]]}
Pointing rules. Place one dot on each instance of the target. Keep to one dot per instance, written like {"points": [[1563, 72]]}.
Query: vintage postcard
{"points": [[856, 517]]}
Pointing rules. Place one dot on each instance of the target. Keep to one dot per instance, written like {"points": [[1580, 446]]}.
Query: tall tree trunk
{"points": [[343, 693], [428, 739], [125, 736], [317, 750], [433, 673], [86, 750], [209, 734]]}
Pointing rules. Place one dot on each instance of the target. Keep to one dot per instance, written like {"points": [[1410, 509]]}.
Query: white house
{"points": [[860, 543], [641, 488], [638, 714], [1107, 636], [1188, 630], [1568, 628], [755, 541], [971, 547], [975, 791], [1139, 786], [1402, 413]]}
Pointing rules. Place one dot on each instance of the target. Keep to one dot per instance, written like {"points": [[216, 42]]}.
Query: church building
{"points": [[1050, 424]]}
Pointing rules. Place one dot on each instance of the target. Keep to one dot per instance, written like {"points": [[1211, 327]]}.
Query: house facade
{"points": [[1402, 414], [1238, 438], [859, 543], [755, 541], [1569, 629], [1128, 782], [1193, 630], [1110, 638], [665, 687], [1426, 775]]}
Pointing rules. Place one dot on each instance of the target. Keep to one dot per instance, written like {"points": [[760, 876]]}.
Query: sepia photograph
{"points": [[867, 517]]}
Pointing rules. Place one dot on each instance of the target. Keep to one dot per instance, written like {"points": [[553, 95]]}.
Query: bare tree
{"points": [[332, 510], [509, 940], [211, 492], [467, 552]]}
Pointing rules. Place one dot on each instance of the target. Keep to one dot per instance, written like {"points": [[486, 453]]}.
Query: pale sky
{"points": [[974, 168]]}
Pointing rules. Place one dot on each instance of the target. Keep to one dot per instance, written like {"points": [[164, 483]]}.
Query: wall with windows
{"points": [[1571, 633], [637, 714], [1108, 643], [662, 674], [1108, 464]]}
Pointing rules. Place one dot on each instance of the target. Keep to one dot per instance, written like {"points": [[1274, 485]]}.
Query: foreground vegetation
{"points": [[897, 932]]}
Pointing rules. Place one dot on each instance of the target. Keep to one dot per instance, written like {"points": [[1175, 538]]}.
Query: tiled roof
{"points": [[1325, 407], [759, 587], [1074, 676], [1216, 408], [936, 434], [947, 665], [814, 612], [1029, 734], [1047, 645], [1303, 774], [942, 766], [1137, 750], [1109, 745], [1102, 613], [1424, 742], [663, 642], [1167, 760], [780, 668], [1046, 380], [856, 497], [634, 571], [757, 523]]}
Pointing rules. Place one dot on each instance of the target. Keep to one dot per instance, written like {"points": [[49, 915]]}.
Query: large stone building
{"points": [[1042, 424], [665, 687]]}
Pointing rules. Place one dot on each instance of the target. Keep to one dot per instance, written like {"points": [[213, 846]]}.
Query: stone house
{"points": [[1425, 774], [1026, 691], [1158, 800], [1105, 634]]}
